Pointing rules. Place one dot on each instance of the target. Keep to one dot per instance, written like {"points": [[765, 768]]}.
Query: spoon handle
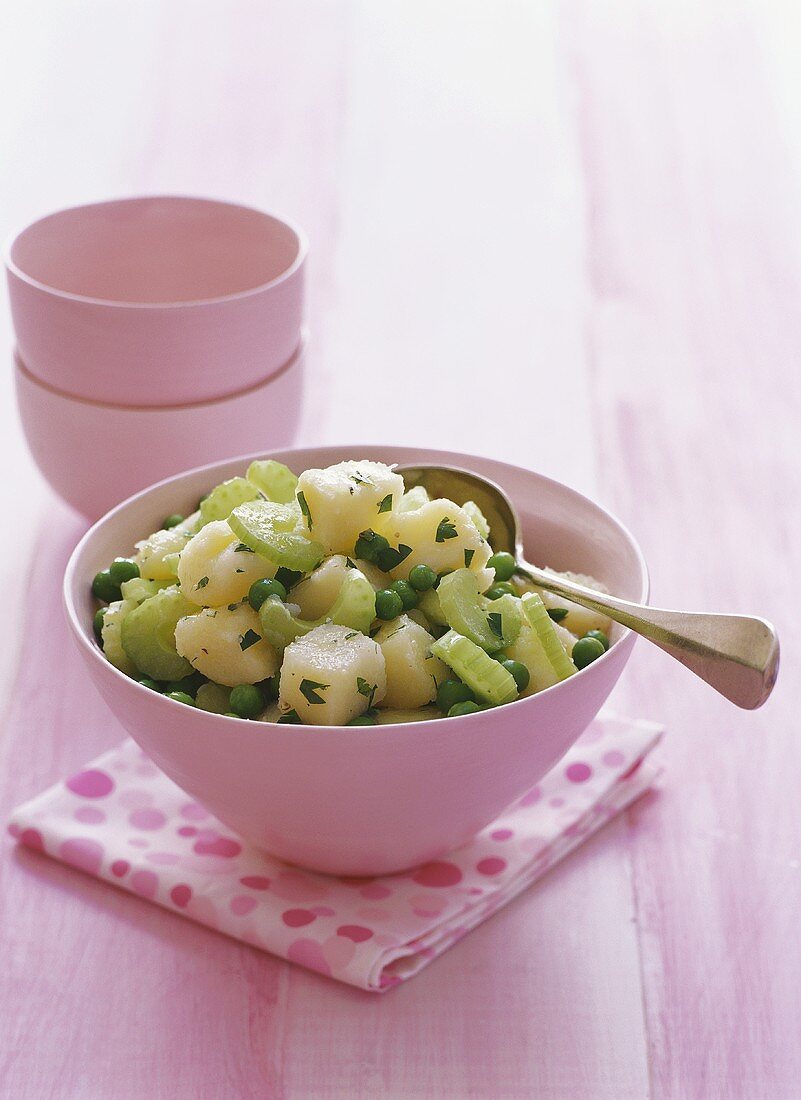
{"points": [[736, 654]]}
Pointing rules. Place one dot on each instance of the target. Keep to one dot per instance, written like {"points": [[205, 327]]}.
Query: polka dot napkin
{"points": [[123, 820]]}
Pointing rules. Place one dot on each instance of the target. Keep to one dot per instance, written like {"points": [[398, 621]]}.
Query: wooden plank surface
{"points": [[568, 235]]}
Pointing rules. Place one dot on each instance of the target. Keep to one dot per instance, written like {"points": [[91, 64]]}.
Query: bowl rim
{"points": [[111, 303], [95, 653], [33, 380]]}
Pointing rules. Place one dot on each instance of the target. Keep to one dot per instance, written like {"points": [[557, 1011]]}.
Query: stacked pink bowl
{"points": [[154, 334]]}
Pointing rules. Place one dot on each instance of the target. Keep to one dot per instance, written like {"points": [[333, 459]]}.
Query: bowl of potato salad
{"points": [[340, 667]]}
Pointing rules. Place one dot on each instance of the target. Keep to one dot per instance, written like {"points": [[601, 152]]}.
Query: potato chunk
{"points": [[578, 619], [156, 555], [442, 536], [332, 674], [213, 571], [226, 645], [344, 500], [413, 674]]}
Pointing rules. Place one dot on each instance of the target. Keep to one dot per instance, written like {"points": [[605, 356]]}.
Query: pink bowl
{"points": [[92, 454], [365, 800], [164, 300]]}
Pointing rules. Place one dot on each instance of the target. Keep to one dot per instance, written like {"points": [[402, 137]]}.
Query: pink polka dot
{"points": [[437, 874], [181, 895], [242, 905], [373, 914], [296, 918], [476, 890], [220, 846], [147, 771], [147, 819], [578, 773], [163, 859], [387, 981], [14, 829], [614, 758], [428, 905], [492, 865], [297, 886], [501, 834], [145, 883], [356, 932], [309, 953], [89, 815], [83, 853], [138, 842], [187, 830], [556, 802], [193, 811], [32, 838], [120, 867], [374, 891], [321, 910], [256, 882], [532, 796], [91, 783]]}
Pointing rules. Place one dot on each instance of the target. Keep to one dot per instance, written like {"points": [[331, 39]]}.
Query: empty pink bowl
{"points": [[93, 454], [365, 800], [164, 300]]}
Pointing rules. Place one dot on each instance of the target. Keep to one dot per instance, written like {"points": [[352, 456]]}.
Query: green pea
{"points": [[370, 546], [246, 701], [97, 624], [467, 707], [105, 587], [422, 577], [519, 672], [123, 569], [362, 720], [501, 588], [146, 682], [172, 521], [504, 565], [388, 604], [181, 697], [262, 590], [409, 598], [587, 650], [451, 692], [599, 637]]}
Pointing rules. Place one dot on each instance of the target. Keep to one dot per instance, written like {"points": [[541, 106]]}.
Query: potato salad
{"points": [[336, 597]]}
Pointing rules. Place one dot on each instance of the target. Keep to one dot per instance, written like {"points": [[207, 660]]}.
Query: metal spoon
{"points": [[736, 654]]}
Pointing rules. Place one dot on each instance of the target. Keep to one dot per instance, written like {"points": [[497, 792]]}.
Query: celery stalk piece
{"points": [[148, 635], [486, 677], [275, 480], [506, 616], [542, 625], [222, 500], [272, 531], [138, 589], [460, 601], [354, 608]]}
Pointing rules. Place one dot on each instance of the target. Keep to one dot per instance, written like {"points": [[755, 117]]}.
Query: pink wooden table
{"points": [[598, 205]]}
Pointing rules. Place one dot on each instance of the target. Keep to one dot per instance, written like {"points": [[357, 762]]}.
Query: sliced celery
{"points": [[115, 615], [222, 500], [148, 635], [275, 480], [507, 616], [138, 589], [431, 607], [354, 608], [271, 530], [543, 626], [460, 601], [486, 677]]}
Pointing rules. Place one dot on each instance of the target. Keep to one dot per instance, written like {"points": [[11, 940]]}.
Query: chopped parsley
{"points": [[249, 638], [349, 564], [305, 509], [386, 504], [495, 620], [202, 583], [241, 548], [352, 634], [389, 558], [310, 688], [445, 530], [468, 557], [558, 613], [357, 477], [368, 690], [291, 718]]}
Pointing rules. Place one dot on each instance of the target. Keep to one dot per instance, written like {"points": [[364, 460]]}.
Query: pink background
{"points": [[597, 205]]}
